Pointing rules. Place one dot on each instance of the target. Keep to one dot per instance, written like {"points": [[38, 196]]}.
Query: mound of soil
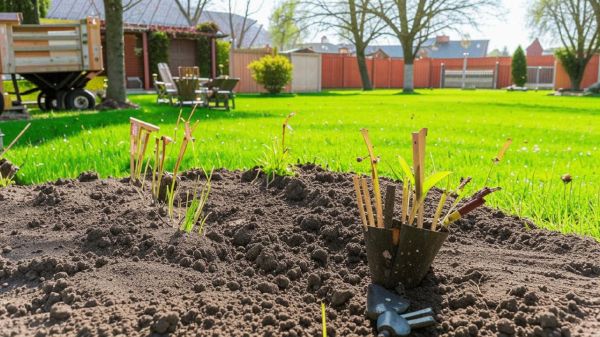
{"points": [[95, 257]]}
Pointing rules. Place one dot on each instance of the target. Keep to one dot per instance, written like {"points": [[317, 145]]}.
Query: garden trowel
{"points": [[380, 300], [391, 324]]}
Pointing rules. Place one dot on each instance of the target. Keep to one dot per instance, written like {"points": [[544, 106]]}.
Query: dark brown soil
{"points": [[95, 257]]}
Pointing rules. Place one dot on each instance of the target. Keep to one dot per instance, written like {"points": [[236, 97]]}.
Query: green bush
{"points": [[519, 67], [158, 43], [273, 72], [223, 49]]}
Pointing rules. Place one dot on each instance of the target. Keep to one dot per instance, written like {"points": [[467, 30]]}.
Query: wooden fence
{"points": [[339, 71]]}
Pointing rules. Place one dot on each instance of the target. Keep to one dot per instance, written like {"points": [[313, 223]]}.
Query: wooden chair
{"points": [[222, 91], [166, 88]]}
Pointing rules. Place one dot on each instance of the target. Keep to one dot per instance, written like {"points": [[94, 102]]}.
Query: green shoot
{"points": [[8, 180], [428, 184], [275, 160], [194, 213], [5, 181]]}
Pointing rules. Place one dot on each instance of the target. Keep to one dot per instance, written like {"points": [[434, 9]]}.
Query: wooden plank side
{"points": [[46, 48], [46, 69], [45, 37], [67, 61], [43, 28], [94, 45], [4, 50]]}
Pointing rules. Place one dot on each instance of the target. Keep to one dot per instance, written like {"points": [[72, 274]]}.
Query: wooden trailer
{"points": [[59, 59]]}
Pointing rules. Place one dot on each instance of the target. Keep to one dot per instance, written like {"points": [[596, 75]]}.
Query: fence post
{"points": [[343, 72], [372, 79], [598, 58], [442, 74], [537, 78], [496, 75]]}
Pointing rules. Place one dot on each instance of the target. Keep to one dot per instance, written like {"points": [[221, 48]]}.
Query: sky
{"points": [[509, 29]]}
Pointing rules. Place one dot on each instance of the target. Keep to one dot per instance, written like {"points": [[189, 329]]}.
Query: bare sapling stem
{"points": [[497, 159], [459, 196], [368, 205], [286, 125], [474, 202], [359, 201], [405, 200], [375, 178], [419, 171], [137, 149], [438, 210], [5, 150]]}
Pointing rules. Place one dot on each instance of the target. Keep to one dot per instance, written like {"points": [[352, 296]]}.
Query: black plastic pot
{"points": [[406, 261]]}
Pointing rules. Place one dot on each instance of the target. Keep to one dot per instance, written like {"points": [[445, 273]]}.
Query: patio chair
{"points": [[189, 92], [166, 89], [222, 91]]}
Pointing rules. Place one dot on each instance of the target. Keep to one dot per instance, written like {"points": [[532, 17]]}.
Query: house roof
{"points": [[326, 48], [432, 49], [164, 13]]}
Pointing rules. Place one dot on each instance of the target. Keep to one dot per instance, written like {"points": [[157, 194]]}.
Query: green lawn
{"points": [[552, 136]]}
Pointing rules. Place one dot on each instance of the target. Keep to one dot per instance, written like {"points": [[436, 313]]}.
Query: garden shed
{"points": [[307, 70], [305, 78]]}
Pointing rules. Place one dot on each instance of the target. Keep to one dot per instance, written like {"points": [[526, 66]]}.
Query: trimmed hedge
{"points": [[158, 43]]}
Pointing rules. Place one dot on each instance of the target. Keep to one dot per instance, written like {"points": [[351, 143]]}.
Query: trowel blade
{"points": [[380, 300]]}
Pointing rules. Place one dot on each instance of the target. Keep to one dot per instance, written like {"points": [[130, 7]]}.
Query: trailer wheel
{"points": [[80, 99], [44, 101]]}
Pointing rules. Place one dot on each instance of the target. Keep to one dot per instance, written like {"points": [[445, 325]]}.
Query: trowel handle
{"points": [[421, 322], [419, 313]]}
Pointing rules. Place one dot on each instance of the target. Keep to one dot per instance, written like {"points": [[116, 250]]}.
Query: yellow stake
{"points": [[324, 318]]}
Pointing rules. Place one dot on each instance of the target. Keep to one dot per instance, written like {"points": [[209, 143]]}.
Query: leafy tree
{"points": [[273, 72], [283, 26], [415, 21], [352, 20], [519, 67], [32, 10], [575, 25]]}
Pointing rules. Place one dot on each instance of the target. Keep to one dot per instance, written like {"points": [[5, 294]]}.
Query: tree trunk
{"points": [[409, 85], [35, 12], [362, 68], [115, 50], [576, 82]]}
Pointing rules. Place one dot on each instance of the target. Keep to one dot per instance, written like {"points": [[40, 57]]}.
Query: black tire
{"points": [[60, 102], [1, 102], [80, 99], [43, 102]]}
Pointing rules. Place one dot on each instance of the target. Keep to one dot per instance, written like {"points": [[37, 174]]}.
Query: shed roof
{"points": [[157, 13]]}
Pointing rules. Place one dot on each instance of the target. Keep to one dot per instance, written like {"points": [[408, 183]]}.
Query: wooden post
{"points": [[213, 57], [418, 167], [146, 61]]}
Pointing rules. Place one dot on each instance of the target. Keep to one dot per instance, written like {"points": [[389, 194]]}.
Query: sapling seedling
{"points": [[275, 160], [374, 177], [497, 159], [139, 137], [195, 207], [8, 180], [187, 138]]}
